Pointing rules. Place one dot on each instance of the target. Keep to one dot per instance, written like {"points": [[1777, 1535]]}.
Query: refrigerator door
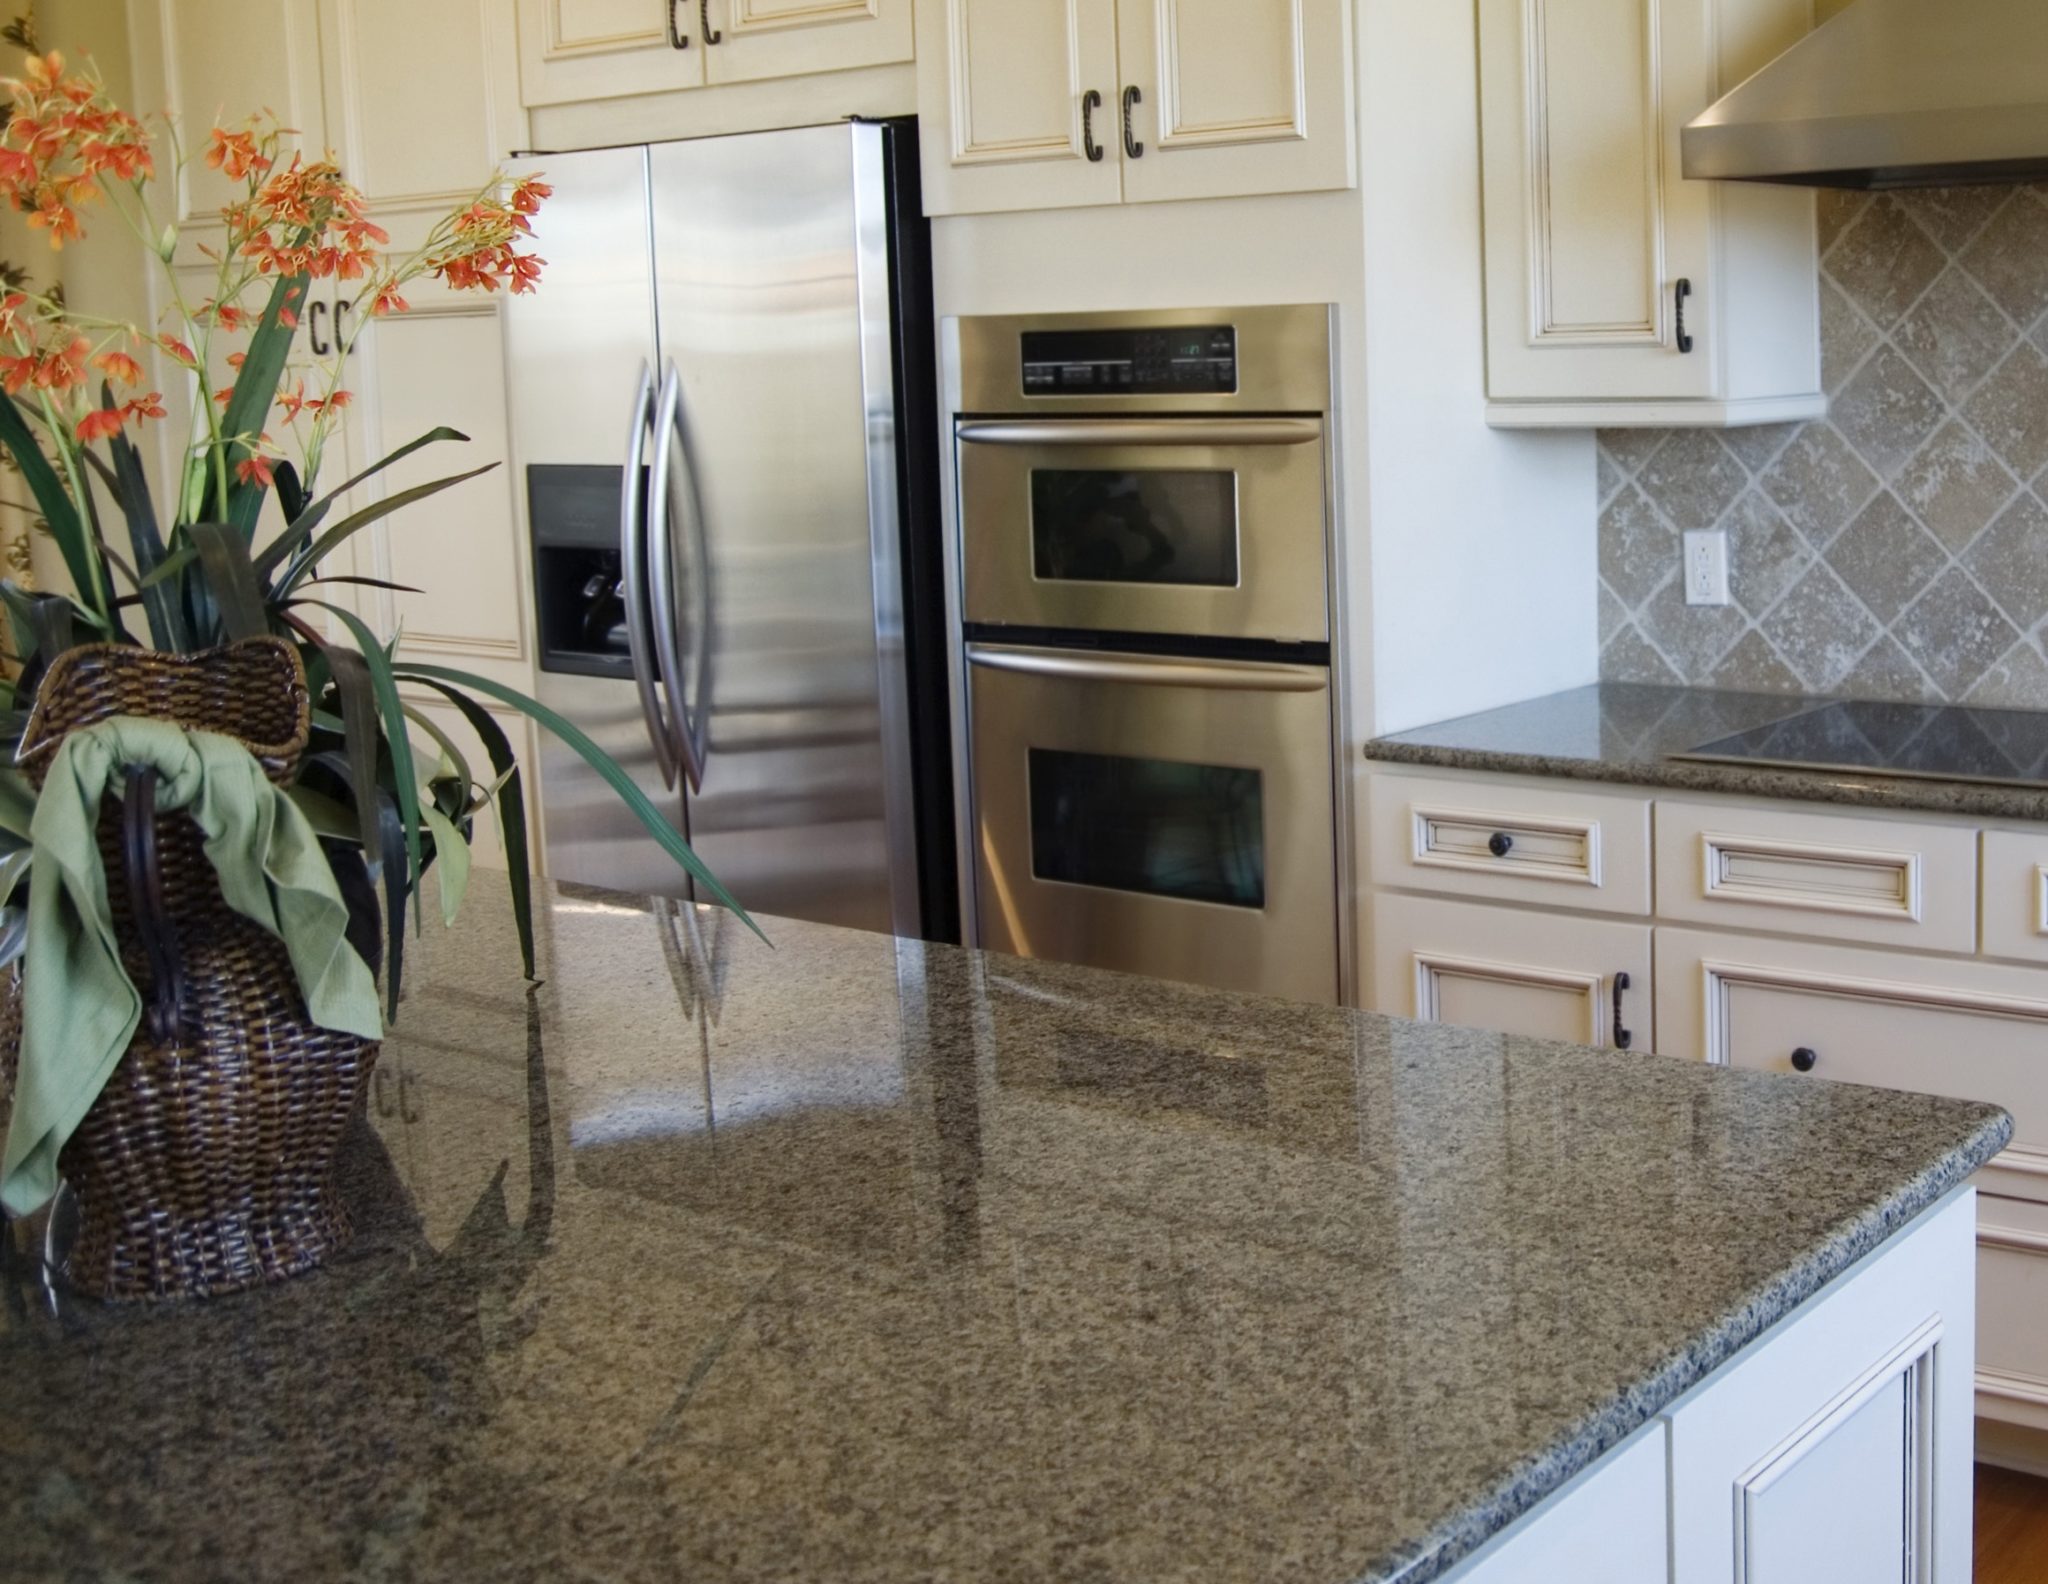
{"points": [[579, 352], [771, 270]]}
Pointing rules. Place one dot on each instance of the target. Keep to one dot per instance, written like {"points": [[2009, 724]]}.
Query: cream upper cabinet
{"points": [[1035, 104], [573, 50], [1617, 292]]}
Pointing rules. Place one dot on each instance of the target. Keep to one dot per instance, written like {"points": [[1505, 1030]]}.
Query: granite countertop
{"points": [[1629, 731], [863, 1260]]}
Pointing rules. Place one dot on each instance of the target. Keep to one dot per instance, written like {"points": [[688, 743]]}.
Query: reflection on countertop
{"points": [[866, 1260]]}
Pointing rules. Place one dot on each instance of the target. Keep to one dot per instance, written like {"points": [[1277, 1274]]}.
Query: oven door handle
{"points": [[1141, 431], [1066, 665]]}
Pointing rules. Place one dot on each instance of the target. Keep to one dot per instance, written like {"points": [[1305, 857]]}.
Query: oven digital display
{"points": [[1192, 360]]}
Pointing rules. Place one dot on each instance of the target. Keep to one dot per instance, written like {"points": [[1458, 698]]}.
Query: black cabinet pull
{"points": [[1805, 1059], [1679, 294], [1500, 844], [711, 34], [1623, 1039], [1132, 147], [1089, 101], [676, 39]]}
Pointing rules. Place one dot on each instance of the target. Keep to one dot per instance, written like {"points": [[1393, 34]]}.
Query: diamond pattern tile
{"points": [[1897, 549]]}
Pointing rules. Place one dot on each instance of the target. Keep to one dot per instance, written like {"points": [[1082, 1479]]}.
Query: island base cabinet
{"points": [[1835, 1447], [1839, 1446]]}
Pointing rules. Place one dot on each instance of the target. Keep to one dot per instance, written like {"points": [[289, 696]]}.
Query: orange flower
{"points": [[53, 215], [334, 403], [179, 351], [293, 401], [60, 370], [255, 469], [128, 161], [141, 407], [43, 71], [387, 300], [234, 154], [237, 359], [224, 395], [528, 194], [98, 424], [120, 365]]}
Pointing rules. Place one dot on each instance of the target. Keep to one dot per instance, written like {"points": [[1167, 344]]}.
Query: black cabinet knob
{"points": [[1500, 844], [1805, 1059]]}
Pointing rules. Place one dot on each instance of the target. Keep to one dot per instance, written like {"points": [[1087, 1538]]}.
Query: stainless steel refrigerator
{"points": [[722, 402]]}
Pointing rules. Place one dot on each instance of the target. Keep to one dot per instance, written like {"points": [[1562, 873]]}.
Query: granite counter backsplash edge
{"points": [[1981, 800], [1638, 1403]]}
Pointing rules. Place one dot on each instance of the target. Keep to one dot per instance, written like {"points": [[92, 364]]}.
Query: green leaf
{"points": [[17, 803], [303, 563], [307, 518], [453, 852], [167, 629], [510, 800], [665, 834], [449, 751], [404, 777], [360, 731], [324, 814], [67, 527], [231, 578], [291, 494], [255, 389]]}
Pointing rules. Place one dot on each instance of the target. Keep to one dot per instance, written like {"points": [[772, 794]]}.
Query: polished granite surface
{"points": [[861, 1260], [1986, 763]]}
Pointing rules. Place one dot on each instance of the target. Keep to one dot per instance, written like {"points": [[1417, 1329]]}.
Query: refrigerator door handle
{"points": [[670, 449], [633, 575]]}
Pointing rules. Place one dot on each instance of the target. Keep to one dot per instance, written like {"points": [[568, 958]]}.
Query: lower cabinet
{"points": [[2012, 1311], [1519, 972], [1837, 1446]]}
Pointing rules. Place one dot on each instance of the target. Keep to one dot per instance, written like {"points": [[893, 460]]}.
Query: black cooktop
{"points": [[1935, 742]]}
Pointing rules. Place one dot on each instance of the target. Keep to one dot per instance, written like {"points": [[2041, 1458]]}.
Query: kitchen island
{"points": [[858, 1259]]}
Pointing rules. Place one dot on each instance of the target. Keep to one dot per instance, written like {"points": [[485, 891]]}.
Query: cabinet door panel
{"points": [[1239, 96], [602, 49], [788, 38], [1537, 974], [1817, 1516], [1000, 85]]}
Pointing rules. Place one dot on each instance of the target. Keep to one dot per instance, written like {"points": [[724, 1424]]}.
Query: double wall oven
{"points": [[1146, 621]]}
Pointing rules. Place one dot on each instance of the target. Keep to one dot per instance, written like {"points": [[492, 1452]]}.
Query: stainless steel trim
{"points": [[1890, 93], [885, 524], [1140, 431], [1242, 676], [669, 444], [1283, 361], [633, 575]]}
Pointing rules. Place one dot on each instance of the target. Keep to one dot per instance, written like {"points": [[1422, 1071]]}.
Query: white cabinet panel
{"points": [[752, 39], [1617, 292], [1558, 846], [1909, 884], [1236, 96], [1000, 91], [1976, 1031], [1609, 1526], [1504, 968], [2016, 895], [2012, 1301], [601, 49]]}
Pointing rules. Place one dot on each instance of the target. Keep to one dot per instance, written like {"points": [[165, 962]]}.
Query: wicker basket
{"points": [[206, 1165]]}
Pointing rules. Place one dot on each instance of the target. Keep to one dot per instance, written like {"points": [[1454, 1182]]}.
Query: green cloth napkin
{"points": [[79, 1007]]}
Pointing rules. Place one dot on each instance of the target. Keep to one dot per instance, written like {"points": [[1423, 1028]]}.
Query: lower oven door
{"points": [[1162, 816]]}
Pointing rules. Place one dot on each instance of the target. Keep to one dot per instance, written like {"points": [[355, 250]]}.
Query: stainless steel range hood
{"points": [[1891, 93]]}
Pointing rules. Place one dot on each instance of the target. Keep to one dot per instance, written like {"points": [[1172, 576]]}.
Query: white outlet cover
{"points": [[1706, 567]]}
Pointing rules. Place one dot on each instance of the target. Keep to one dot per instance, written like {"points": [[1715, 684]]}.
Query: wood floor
{"points": [[2012, 1527]]}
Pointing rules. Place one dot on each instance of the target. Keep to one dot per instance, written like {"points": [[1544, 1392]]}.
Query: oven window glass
{"points": [[1151, 526], [1191, 831]]}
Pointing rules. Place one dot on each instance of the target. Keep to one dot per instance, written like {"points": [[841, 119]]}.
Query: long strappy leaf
{"points": [[303, 521], [303, 563]]}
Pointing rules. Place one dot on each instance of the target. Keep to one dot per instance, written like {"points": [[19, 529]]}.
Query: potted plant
{"points": [[208, 605]]}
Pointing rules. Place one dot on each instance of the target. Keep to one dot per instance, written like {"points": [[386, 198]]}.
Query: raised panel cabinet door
{"points": [[1588, 225], [747, 40], [1520, 972], [604, 49], [1234, 96], [1017, 101]]}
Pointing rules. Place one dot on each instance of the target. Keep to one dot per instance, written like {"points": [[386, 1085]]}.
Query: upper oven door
{"points": [[1209, 527]]}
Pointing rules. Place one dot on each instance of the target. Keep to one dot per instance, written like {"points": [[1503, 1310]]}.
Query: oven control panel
{"points": [[1193, 360]]}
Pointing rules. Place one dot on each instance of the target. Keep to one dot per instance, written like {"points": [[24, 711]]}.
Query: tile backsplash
{"points": [[1897, 548]]}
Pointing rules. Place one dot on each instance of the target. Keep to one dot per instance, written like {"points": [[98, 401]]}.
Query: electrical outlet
{"points": [[1706, 567]]}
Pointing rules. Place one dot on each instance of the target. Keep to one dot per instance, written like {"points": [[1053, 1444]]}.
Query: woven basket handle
{"points": [[164, 1009]]}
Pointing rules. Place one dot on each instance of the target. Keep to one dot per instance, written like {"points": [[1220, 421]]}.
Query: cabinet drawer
{"points": [[1491, 837], [1883, 881], [2012, 1298], [1972, 1030], [2016, 895], [1517, 971]]}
